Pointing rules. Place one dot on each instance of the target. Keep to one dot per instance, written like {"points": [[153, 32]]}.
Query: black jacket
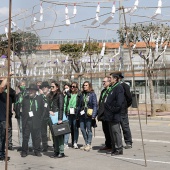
{"points": [[18, 103], [37, 109], [3, 100], [114, 104], [101, 105], [45, 114], [56, 103], [127, 93]]}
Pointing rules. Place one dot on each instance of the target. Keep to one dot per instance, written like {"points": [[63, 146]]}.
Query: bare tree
{"points": [[156, 38]]}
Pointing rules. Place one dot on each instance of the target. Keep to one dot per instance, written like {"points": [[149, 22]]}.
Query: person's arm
{"points": [[3, 84], [94, 100]]}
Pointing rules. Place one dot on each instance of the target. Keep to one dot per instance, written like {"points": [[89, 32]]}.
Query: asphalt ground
{"points": [[156, 136]]}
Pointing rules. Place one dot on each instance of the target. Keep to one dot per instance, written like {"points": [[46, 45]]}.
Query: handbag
{"points": [[54, 118], [89, 112], [61, 129]]}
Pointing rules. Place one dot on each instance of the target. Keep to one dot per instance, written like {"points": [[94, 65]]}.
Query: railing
{"points": [[74, 41]]}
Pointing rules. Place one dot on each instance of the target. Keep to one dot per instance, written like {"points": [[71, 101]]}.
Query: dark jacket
{"points": [[18, 103], [101, 105], [114, 104], [68, 95], [56, 103], [91, 104], [3, 100], [45, 114], [127, 93], [37, 109], [2, 106]]}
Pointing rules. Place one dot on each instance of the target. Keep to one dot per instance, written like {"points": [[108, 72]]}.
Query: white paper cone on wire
{"points": [[107, 20], [41, 17], [103, 49], [74, 10], [96, 19], [66, 10], [6, 31], [98, 8], [67, 20]]}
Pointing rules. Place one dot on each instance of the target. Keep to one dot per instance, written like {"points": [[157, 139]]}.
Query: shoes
{"points": [[87, 148], [75, 146], [19, 149], [66, 146], [118, 152], [2, 158], [10, 148], [61, 155], [104, 148], [128, 146], [23, 154], [83, 147], [54, 155], [38, 154]]}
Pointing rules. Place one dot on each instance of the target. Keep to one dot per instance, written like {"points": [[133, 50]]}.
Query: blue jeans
{"points": [[2, 138], [21, 133], [73, 122], [86, 129]]}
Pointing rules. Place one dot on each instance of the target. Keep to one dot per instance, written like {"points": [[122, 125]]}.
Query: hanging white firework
{"points": [[110, 17], [74, 10], [6, 31]]}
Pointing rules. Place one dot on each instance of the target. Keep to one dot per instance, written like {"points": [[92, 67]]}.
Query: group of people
{"points": [[33, 107]]}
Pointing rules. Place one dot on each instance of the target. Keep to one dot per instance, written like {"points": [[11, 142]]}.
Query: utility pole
{"points": [[90, 60], [8, 82], [120, 26]]}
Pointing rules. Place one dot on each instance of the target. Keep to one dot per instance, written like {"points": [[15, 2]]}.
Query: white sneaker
{"points": [[75, 146], [66, 146], [88, 147], [82, 148]]}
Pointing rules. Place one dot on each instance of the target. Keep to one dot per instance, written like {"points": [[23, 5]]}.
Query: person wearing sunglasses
{"points": [[70, 108], [66, 92], [87, 112], [56, 102]]}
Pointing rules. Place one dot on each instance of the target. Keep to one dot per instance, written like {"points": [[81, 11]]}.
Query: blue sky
{"points": [[55, 15]]}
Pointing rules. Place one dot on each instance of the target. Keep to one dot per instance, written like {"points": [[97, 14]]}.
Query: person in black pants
{"points": [[3, 98], [105, 125], [44, 91], [113, 105], [32, 107], [124, 113], [12, 94]]}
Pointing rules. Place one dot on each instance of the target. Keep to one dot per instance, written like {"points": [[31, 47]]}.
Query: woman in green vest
{"points": [[71, 108]]}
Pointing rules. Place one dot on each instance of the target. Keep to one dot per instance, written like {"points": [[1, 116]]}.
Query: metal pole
{"points": [[8, 83], [121, 47], [145, 94], [133, 78], [90, 60]]}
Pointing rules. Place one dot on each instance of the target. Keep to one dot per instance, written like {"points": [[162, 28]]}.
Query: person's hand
{"points": [[52, 113], [60, 121]]}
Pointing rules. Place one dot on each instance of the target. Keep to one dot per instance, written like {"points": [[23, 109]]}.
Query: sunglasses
{"points": [[85, 85], [73, 86], [52, 86]]}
